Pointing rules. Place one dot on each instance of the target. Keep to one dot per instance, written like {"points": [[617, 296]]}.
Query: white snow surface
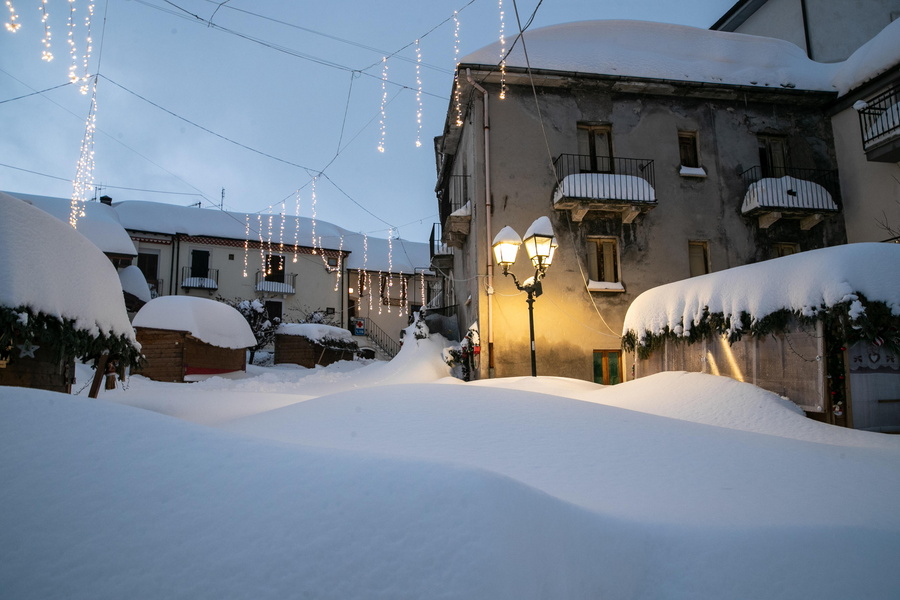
{"points": [[51, 268], [803, 282], [680, 53], [371, 253], [787, 192], [100, 223], [390, 480], [134, 282], [605, 186], [210, 321], [316, 332]]}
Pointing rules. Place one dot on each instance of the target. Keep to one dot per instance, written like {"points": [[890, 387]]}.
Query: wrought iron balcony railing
{"points": [[276, 283], [879, 123], [613, 185], [199, 279], [790, 189]]}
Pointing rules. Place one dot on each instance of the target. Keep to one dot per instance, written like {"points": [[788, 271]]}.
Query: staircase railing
{"points": [[380, 338]]}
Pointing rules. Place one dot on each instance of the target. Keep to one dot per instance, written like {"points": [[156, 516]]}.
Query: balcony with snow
{"points": [[611, 186], [787, 193], [276, 282], [455, 210], [879, 123], [203, 279]]}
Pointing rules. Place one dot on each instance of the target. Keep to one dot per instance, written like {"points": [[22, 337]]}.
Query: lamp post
{"points": [[540, 243]]}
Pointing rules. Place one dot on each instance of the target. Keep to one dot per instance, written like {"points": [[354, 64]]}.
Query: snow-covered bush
{"points": [[257, 317]]}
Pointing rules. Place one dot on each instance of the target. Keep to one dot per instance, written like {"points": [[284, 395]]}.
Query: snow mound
{"points": [[134, 282], [209, 321], [52, 269]]}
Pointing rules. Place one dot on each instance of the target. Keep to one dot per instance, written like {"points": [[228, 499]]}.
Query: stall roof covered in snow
{"points": [[100, 223], [680, 53], [316, 332], [50, 268], [801, 283], [373, 253], [212, 322]]}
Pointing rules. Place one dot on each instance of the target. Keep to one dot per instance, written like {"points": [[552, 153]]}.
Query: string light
{"points": [[362, 270], [456, 93], [297, 225], [12, 25], [384, 95], [404, 300], [246, 241], [70, 26], [422, 280], [418, 94], [390, 282], [46, 55], [314, 214], [502, 54], [369, 287], [262, 248], [84, 174], [381, 291], [281, 233], [340, 265], [89, 46]]}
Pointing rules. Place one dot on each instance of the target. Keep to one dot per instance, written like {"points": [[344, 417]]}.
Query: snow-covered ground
{"points": [[391, 480]]}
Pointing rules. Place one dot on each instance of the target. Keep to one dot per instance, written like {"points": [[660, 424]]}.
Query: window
{"points": [[595, 143], [773, 155], [688, 149], [608, 367], [274, 309], [274, 268], [784, 249], [603, 259], [698, 255], [200, 263]]}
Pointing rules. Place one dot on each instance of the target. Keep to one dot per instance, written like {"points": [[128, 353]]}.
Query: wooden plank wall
{"points": [[298, 350], [163, 350], [201, 355], [46, 371]]}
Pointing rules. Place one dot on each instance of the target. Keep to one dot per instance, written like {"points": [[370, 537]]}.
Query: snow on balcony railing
{"points": [[787, 193], [605, 186], [276, 287], [879, 118], [189, 279]]}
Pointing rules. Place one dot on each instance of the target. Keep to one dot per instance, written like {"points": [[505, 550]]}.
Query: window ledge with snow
{"points": [[605, 286], [692, 172]]}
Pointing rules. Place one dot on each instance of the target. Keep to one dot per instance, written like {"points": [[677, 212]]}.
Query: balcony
{"points": [[277, 282], [776, 193], [879, 123], [207, 279], [455, 210], [441, 254], [614, 186]]}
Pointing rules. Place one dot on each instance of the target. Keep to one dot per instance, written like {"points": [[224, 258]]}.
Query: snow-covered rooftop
{"points": [[210, 321], [802, 283], [100, 223], [52, 269], [373, 252], [316, 332], [664, 51]]}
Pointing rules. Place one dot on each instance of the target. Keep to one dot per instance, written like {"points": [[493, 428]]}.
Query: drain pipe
{"points": [[488, 229]]}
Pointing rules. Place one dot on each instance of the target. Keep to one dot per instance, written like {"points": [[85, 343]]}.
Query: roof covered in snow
{"points": [[100, 223], [52, 269], [316, 332], [210, 321], [801, 283], [373, 253], [663, 51]]}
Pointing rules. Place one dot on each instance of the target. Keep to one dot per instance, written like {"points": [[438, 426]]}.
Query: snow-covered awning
{"points": [[608, 192], [770, 197], [210, 321]]}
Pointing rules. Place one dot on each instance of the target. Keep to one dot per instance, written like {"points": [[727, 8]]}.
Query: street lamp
{"points": [[540, 244]]}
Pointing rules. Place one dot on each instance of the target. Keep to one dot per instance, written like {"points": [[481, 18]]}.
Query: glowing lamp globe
{"points": [[540, 243], [506, 247]]}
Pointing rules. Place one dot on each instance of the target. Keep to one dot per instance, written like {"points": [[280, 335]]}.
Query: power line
{"points": [[115, 187]]}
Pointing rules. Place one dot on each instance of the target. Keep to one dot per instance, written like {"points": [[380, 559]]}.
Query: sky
{"points": [[259, 106], [370, 479]]}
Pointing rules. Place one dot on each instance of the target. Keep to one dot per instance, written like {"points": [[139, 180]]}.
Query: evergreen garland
{"points": [[21, 326]]}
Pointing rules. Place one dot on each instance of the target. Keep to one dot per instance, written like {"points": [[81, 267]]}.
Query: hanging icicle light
{"points": [[84, 174], [88, 47], [422, 288], [456, 93], [70, 35], [281, 231], [13, 24], [340, 265], [418, 95], [404, 300], [296, 225], [262, 247], [502, 54], [246, 241], [46, 54], [369, 287], [314, 214], [390, 281], [382, 122], [380, 291]]}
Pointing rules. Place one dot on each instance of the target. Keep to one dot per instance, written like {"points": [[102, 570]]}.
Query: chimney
{"points": [[106, 200]]}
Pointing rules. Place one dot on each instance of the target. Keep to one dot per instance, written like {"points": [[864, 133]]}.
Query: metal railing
{"points": [[634, 176], [380, 338], [438, 247], [156, 287], [809, 197], [453, 195], [879, 119], [287, 285], [205, 280]]}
